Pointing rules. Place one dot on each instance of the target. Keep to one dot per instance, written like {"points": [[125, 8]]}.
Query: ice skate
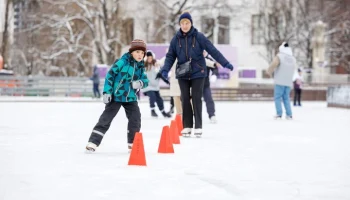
{"points": [[90, 147], [277, 117], [198, 132], [289, 117], [213, 120], [129, 147], [153, 113], [165, 114], [186, 132]]}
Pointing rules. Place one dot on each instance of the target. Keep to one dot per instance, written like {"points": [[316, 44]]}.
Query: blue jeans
{"points": [[96, 91], [154, 97], [281, 93]]}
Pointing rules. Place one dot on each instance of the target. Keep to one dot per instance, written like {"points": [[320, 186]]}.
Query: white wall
{"points": [[240, 35], [248, 55]]}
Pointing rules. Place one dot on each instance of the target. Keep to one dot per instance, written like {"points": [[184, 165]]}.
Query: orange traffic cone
{"points": [[178, 120], [137, 155], [165, 144], [174, 133]]}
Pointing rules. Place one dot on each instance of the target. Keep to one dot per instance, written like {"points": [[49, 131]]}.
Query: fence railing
{"points": [[82, 87]]}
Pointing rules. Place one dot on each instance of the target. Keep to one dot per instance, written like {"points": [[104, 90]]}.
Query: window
{"points": [[275, 27], [208, 28], [256, 29], [224, 30], [17, 10]]}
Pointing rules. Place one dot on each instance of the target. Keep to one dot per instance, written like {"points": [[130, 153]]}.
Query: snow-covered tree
{"points": [[339, 34]]}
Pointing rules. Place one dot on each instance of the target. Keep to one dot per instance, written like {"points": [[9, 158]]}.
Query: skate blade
{"points": [[89, 151], [186, 135], [198, 136]]}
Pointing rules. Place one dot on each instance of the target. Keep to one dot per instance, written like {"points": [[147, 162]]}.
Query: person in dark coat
{"points": [[96, 82], [187, 48]]}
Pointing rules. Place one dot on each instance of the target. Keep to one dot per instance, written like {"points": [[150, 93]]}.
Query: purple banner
{"points": [[102, 69], [247, 73]]}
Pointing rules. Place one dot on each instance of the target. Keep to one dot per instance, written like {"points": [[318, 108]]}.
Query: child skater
{"points": [[123, 80]]}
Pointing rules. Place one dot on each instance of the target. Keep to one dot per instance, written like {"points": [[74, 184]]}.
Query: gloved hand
{"points": [[166, 81], [137, 84], [229, 66], [164, 74], [107, 98], [159, 75]]}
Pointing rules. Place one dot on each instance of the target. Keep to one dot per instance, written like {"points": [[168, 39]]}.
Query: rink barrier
{"points": [[82, 87], [338, 96]]}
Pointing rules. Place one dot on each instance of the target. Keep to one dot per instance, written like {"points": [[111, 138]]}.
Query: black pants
{"points": [[96, 90], [172, 104], [297, 96], [132, 112], [209, 102], [154, 97], [197, 92]]}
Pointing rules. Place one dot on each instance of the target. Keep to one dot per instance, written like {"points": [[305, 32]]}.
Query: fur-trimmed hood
{"points": [[284, 48]]}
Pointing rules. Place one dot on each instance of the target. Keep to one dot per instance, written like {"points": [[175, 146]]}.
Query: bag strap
{"points": [[193, 44]]}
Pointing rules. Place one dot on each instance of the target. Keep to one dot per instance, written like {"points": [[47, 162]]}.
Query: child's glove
{"points": [[107, 98], [137, 84]]}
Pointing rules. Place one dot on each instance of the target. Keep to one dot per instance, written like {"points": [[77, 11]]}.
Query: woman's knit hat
{"points": [[185, 15]]}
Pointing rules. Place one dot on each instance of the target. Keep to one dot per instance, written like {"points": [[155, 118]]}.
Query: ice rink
{"points": [[245, 156]]}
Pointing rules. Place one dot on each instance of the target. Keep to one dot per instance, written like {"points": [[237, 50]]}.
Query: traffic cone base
{"points": [[174, 132], [165, 143], [178, 120]]}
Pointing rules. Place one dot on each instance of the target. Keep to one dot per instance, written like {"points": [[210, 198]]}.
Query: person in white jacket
{"points": [[174, 92], [152, 90], [282, 68]]}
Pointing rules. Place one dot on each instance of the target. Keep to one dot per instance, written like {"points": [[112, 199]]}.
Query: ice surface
{"points": [[247, 155]]}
